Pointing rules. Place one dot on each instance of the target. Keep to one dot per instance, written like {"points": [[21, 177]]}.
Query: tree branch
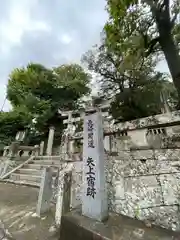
{"points": [[151, 45], [174, 19], [164, 4], [152, 5]]}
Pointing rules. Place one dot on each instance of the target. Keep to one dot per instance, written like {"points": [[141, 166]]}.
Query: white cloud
{"points": [[65, 38], [51, 32], [17, 21], [48, 32]]}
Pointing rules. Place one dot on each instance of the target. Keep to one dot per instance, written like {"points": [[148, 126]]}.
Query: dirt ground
{"points": [[17, 212]]}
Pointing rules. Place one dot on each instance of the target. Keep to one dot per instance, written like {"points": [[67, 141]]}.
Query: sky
{"points": [[50, 32]]}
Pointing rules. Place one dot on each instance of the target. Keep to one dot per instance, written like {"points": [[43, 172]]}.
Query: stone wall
{"points": [[142, 184], [145, 184]]}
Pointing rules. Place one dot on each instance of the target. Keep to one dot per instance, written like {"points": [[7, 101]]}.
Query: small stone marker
{"points": [[63, 200], [45, 192], [94, 195]]}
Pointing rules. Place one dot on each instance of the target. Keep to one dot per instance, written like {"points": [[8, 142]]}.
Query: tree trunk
{"points": [[172, 57]]}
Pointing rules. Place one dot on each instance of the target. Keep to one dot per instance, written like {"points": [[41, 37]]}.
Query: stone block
{"points": [[123, 207], [139, 192], [119, 189], [143, 191], [164, 216], [167, 154], [144, 167], [123, 156], [142, 154], [170, 188]]}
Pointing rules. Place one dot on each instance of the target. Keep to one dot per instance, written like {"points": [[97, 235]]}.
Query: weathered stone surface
{"points": [[45, 193], [143, 191], [139, 186], [146, 186], [165, 216], [149, 121], [164, 154], [76, 189], [116, 228], [122, 156], [4, 233], [144, 167], [6, 165], [142, 154], [170, 188], [119, 189]]}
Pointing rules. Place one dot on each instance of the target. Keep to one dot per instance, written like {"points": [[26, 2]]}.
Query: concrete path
{"points": [[17, 214]]}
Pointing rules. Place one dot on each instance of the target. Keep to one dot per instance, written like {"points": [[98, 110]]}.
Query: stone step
{"points": [[27, 183], [52, 158], [40, 167], [34, 166], [25, 177], [48, 162], [36, 172]]}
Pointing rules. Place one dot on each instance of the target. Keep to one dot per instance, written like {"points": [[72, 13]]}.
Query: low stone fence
{"points": [[18, 152]]}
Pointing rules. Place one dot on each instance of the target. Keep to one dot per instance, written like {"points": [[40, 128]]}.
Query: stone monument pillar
{"points": [[50, 141], [94, 195]]}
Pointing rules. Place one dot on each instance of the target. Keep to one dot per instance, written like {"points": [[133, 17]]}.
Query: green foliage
{"points": [[72, 77], [132, 82], [150, 27], [137, 102], [42, 92], [170, 94], [125, 72], [12, 122]]}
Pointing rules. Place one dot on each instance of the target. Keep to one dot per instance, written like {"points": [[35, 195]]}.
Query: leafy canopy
{"points": [[125, 71], [154, 28], [42, 92]]}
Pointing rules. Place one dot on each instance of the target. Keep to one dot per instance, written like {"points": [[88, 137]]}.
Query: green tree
{"points": [[170, 94], [133, 84], [128, 78], [42, 92], [12, 122], [153, 25]]}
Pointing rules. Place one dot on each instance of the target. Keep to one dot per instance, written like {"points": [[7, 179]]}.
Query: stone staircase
{"points": [[30, 172]]}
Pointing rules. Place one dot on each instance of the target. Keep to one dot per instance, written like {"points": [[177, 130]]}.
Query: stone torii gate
{"points": [[70, 136]]}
